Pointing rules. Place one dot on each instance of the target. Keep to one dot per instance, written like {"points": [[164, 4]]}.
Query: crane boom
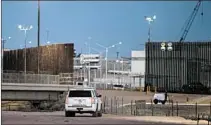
{"points": [[190, 21]]}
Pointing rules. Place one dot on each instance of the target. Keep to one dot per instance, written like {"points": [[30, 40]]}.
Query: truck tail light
{"points": [[92, 100], [66, 101]]}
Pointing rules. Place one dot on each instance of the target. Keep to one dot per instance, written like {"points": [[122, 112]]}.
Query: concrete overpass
{"points": [[32, 92]]}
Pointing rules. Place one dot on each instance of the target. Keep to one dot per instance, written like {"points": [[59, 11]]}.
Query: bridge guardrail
{"points": [[30, 78]]}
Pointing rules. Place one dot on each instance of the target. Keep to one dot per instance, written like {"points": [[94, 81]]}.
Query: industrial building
{"points": [[185, 63]]}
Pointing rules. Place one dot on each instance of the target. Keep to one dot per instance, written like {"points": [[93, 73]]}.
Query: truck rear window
{"points": [[119, 86], [80, 93]]}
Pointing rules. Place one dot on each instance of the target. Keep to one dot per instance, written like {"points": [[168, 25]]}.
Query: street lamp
{"points": [[150, 20], [106, 49], [25, 29], [47, 36], [3, 41]]}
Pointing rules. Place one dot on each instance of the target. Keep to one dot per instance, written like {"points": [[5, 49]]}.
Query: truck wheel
{"points": [[71, 114], [67, 114], [99, 114], [155, 101], [95, 114], [163, 102]]}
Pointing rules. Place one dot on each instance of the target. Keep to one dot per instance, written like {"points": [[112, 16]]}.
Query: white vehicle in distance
{"points": [[118, 87], [160, 98], [83, 100]]}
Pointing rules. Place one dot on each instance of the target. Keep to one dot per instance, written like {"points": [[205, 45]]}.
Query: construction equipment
{"points": [[190, 21], [186, 27]]}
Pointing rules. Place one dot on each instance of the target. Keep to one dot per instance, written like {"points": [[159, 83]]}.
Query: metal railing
{"points": [[30, 78], [142, 108]]}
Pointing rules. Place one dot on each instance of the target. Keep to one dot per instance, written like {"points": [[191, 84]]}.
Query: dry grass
{"points": [[13, 105], [208, 101]]}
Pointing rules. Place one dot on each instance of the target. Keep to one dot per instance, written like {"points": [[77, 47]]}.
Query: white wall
{"points": [[138, 65], [138, 62]]}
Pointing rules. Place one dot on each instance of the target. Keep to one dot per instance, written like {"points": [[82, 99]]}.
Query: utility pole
{"points": [[117, 55], [117, 60], [38, 38]]}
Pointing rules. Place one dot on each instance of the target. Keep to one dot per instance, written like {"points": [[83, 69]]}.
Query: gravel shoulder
{"points": [[11, 117]]}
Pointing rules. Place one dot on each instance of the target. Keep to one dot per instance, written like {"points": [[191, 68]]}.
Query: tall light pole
{"points": [[47, 36], [106, 49], [150, 20], [89, 38], [3, 41], [38, 37], [25, 29]]}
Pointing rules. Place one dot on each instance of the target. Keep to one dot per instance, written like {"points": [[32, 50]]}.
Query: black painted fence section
{"points": [[188, 62]]}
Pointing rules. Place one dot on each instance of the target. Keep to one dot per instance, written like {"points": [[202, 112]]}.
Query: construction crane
{"points": [[190, 21], [185, 32]]}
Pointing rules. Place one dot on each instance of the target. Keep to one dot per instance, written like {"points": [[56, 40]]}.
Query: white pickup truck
{"points": [[83, 100]]}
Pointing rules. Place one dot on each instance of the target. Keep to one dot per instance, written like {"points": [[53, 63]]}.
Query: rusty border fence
{"points": [[187, 63]]}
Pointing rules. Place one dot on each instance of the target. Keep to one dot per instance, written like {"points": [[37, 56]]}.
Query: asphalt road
{"points": [[11, 117]]}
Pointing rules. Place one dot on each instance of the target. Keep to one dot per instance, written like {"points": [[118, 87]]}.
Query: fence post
{"points": [[48, 79], [104, 103], [116, 101], [177, 108], [131, 107], [210, 107], [111, 105], [122, 106], [135, 109], [172, 108], [198, 118], [152, 108], [49, 97], [196, 108]]}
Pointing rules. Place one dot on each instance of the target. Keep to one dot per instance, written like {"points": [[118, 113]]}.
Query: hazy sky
{"points": [[105, 22]]}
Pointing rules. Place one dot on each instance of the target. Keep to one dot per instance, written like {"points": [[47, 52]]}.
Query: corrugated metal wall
{"points": [[54, 59], [170, 70]]}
